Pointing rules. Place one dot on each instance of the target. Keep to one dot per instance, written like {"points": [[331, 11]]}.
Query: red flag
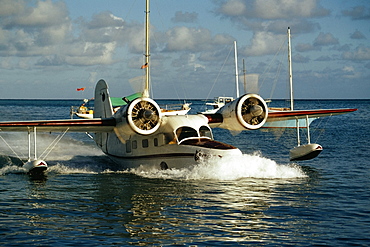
{"points": [[80, 89], [144, 66]]}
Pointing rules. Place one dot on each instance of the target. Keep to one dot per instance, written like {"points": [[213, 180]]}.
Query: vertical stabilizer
{"points": [[102, 109], [102, 104]]}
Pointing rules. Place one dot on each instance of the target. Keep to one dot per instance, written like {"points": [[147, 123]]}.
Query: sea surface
{"points": [[261, 199]]}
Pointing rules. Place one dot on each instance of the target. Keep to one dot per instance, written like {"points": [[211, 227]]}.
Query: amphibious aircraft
{"points": [[139, 134]]}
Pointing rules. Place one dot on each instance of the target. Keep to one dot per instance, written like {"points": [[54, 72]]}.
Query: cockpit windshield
{"points": [[188, 132], [185, 132], [204, 131]]}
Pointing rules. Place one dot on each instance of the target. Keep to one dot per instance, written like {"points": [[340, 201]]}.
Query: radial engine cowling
{"points": [[248, 112], [142, 115]]}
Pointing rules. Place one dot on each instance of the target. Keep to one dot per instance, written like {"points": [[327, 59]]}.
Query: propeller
{"points": [[145, 115], [248, 112], [252, 111]]}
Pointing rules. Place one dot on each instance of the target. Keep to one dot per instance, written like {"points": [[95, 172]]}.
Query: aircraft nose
{"points": [[256, 110]]}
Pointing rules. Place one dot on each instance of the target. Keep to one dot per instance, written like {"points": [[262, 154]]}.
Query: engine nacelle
{"points": [[248, 112], [142, 116]]}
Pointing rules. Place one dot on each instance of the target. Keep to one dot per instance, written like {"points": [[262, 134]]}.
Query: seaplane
{"points": [[139, 134]]}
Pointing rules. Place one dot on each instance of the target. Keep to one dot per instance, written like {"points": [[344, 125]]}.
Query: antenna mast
{"points": [[236, 70], [147, 54], [245, 82], [290, 72]]}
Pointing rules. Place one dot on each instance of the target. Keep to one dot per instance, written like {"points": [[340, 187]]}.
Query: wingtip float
{"points": [[35, 167]]}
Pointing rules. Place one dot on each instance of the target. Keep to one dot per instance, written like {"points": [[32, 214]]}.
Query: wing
{"points": [[75, 125], [224, 119], [297, 114]]}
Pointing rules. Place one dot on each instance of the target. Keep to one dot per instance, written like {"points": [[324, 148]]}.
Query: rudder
{"points": [[102, 103], [102, 109]]}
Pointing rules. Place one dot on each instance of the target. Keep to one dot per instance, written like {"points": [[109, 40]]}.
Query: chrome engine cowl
{"points": [[143, 115], [248, 112]]}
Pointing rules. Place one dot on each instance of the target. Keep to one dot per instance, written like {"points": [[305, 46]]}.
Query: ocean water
{"points": [[259, 200]]}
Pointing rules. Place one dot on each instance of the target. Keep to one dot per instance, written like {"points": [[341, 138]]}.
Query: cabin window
{"points": [[205, 131], [185, 132], [128, 146], [156, 142], [145, 143], [134, 144]]}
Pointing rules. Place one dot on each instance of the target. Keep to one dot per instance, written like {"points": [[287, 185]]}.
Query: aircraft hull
{"points": [[175, 157]]}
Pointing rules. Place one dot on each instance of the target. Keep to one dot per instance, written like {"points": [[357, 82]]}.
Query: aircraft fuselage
{"points": [[179, 142]]}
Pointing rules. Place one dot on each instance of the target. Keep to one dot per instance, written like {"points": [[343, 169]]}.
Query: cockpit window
{"points": [[185, 132], [205, 131]]}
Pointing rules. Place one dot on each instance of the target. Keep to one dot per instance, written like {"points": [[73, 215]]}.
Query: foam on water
{"points": [[65, 169], [13, 169], [232, 168], [227, 168], [71, 156]]}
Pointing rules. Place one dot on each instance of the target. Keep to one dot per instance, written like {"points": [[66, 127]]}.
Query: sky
{"points": [[50, 48]]}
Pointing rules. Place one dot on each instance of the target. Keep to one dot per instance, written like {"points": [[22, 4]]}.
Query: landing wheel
{"points": [[163, 165]]}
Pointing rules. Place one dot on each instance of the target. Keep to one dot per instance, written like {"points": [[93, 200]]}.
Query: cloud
{"points": [[269, 20], [272, 9], [193, 39], [360, 53], [358, 13], [323, 58], [91, 54], [11, 7], [233, 8], [297, 26], [105, 20], [349, 72], [264, 43], [300, 59], [185, 17], [348, 69], [357, 35], [304, 47], [53, 60], [272, 15], [281, 9], [32, 30], [43, 14], [346, 47], [44, 32], [103, 27], [325, 39]]}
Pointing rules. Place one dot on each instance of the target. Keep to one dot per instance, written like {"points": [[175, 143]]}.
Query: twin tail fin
{"points": [[102, 103]]}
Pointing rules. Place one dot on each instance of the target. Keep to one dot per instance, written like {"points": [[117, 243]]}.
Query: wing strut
{"points": [[37, 166], [307, 151]]}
